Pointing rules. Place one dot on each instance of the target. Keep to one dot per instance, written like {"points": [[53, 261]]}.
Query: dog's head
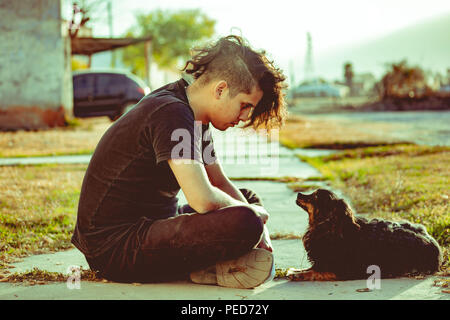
{"points": [[324, 208]]}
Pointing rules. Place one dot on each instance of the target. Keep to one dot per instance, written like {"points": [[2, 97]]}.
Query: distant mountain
{"points": [[426, 44]]}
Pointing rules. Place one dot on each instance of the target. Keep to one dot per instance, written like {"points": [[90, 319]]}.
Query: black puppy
{"points": [[341, 246]]}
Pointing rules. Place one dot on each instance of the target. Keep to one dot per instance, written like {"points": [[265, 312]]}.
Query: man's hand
{"points": [[265, 242], [263, 214]]}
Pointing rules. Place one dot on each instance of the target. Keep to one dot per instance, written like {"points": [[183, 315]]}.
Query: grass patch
{"points": [[410, 150], [302, 187], [300, 132], [80, 137], [74, 123], [55, 153], [309, 184], [285, 236], [281, 273], [40, 277], [286, 179], [37, 209], [272, 179]]}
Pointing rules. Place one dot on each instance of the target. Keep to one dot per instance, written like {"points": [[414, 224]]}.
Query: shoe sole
{"points": [[204, 276], [246, 272]]}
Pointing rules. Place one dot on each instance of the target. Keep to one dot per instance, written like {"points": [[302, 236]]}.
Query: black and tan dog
{"points": [[341, 246]]}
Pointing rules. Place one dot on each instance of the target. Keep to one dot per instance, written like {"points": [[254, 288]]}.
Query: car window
{"points": [[83, 86], [83, 82], [103, 80], [107, 83]]}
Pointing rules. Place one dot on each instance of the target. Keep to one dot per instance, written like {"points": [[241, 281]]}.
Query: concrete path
{"points": [[243, 155], [396, 289], [287, 253], [287, 222]]}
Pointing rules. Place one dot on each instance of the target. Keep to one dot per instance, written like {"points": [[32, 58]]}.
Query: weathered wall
{"points": [[35, 76]]}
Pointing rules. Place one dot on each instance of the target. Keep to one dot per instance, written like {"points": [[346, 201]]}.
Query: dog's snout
{"points": [[300, 198], [304, 200]]}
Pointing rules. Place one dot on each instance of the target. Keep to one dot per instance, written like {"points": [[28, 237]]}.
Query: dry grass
{"points": [[41, 277], [301, 132], [81, 138], [37, 208]]}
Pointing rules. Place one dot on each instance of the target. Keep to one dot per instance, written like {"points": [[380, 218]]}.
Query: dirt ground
{"points": [[81, 139]]}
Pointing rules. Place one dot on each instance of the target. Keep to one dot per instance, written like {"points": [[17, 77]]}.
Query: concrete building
{"points": [[35, 70]]}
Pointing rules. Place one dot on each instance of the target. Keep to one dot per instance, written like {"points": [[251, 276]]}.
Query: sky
{"points": [[280, 26]]}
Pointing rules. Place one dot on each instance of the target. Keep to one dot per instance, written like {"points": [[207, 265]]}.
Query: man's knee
{"points": [[247, 223]]}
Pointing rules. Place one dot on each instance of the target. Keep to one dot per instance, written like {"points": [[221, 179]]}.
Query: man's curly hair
{"points": [[233, 60]]}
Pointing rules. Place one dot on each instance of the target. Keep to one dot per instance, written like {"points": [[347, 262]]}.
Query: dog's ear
{"points": [[344, 221], [325, 203]]}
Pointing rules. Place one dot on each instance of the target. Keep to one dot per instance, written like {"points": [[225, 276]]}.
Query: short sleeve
{"points": [[209, 154], [174, 134]]}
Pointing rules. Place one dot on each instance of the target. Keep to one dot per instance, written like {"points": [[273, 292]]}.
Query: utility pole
{"points": [[292, 73], [111, 32], [309, 67]]}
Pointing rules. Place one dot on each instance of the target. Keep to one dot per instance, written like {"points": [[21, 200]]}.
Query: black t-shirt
{"points": [[128, 181]]}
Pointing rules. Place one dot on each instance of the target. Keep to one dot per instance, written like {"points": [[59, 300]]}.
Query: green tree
{"points": [[173, 34]]}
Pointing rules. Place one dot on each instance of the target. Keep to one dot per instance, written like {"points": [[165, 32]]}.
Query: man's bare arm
{"points": [[201, 195], [217, 177]]}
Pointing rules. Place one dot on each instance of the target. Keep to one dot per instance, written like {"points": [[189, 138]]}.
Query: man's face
{"points": [[230, 111]]}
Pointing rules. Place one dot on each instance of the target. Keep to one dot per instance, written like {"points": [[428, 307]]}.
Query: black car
{"points": [[106, 93]]}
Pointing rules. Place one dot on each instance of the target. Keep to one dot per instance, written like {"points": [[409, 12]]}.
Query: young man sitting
{"points": [[130, 227]]}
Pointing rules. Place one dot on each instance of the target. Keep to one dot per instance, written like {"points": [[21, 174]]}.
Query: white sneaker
{"points": [[246, 272]]}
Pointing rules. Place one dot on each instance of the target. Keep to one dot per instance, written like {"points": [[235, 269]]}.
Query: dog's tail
{"points": [[435, 255], [429, 255], [429, 248]]}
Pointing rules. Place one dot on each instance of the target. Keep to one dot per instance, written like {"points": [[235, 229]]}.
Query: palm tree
{"points": [[348, 75]]}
